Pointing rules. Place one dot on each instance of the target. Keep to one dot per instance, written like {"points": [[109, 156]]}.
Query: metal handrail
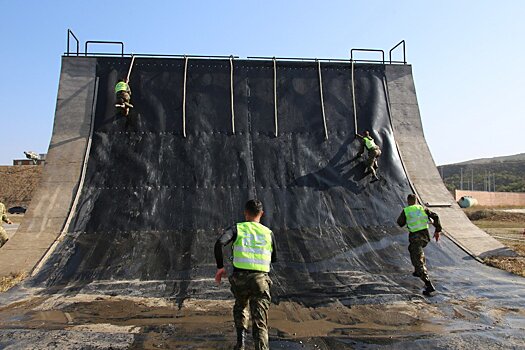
{"points": [[146, 55], [367, 50], [70, 33], [297, 59], [402, 42], [104, 42]]}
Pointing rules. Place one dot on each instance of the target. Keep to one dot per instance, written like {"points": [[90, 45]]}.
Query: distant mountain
{"points": [[503, 174], [514, 158]]}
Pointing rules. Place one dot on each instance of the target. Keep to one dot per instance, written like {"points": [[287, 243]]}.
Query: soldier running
{"points": [[253, 248], [123, 96], [416, 217], [373, 153], [3, 235]]}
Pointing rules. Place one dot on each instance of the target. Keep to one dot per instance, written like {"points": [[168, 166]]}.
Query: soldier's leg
{"points": [[370, 162], [417, 257], [3, 236], [127, 98], [259, 305], [239, 288], [377, 154]]}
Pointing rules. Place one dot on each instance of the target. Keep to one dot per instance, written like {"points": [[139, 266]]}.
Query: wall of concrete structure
{"points": [[494, 198]]}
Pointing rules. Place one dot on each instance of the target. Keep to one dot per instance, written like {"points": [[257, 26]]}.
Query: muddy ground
{"points": [[105, 322]]}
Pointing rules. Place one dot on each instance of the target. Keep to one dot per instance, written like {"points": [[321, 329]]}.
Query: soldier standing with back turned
{"points": [[416, 217], [253, 248]]}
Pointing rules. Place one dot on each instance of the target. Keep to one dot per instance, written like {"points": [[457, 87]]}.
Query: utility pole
{"points": [[472, 179], [461, 179]]}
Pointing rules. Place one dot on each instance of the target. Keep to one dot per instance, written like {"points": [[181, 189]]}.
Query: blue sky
{"points": [[466, 55]]}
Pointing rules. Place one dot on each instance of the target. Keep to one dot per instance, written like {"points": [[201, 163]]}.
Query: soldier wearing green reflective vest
{"points": [[253, 248], [123, 96], [416, 218], [373, 153]]}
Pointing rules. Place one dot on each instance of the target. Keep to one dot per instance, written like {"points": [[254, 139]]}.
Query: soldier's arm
{"points": [[435, 219], [228, 236], [402, 219]]}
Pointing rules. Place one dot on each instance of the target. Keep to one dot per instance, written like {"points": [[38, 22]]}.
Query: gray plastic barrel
{"points": [[467, 202]]}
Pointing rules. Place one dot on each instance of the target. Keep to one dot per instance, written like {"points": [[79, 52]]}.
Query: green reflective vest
{"points": [[417, 218], [252, 250], [121, 86], [369, 143]]}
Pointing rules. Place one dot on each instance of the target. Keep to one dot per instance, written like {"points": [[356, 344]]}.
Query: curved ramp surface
{"points": [[153, 201]]}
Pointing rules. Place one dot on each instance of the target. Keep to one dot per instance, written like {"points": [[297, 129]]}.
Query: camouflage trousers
{"points": [[123, 96], [371, 164], [252, 296], [418, 241], [3, 236]]}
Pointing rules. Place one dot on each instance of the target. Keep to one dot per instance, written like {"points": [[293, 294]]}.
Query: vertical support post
{"points": [[322, 99], [231, 94], [275, 96], [130, 67], [354, 106], [184, 97]]}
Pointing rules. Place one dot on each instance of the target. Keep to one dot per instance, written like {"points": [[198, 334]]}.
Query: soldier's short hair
{"points": [[254, 207], [411, 198]]}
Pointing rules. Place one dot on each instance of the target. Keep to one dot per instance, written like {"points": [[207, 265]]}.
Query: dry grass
{"points": [[12, 280], [515, 265], [18, 184], [489, 215], [508, 229]]}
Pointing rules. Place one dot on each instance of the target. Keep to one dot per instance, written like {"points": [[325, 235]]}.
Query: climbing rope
{"points": [[130, 67], [353, 98], [275, 95], [184, 97], [231, 94], [322, 99]]}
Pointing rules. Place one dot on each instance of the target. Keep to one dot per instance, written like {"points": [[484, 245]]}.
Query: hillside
{"points": [[520, 157], [18, 183], [507, 173]]}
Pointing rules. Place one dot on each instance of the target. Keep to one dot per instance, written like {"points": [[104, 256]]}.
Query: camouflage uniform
{"points": [[3, 235], [418, 241], [123, 96], [252, 291], [373, 153], [371, 164]]}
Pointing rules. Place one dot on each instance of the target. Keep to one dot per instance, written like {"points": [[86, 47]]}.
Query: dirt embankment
{"points": [[499, 216], [509, 229], [18, 184]]}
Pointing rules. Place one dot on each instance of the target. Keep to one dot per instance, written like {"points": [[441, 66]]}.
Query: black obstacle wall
{"points": [[153, 201]]}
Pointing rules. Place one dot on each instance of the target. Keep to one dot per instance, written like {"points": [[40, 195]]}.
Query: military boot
{"points": [[241, 339], [429, 288]]}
